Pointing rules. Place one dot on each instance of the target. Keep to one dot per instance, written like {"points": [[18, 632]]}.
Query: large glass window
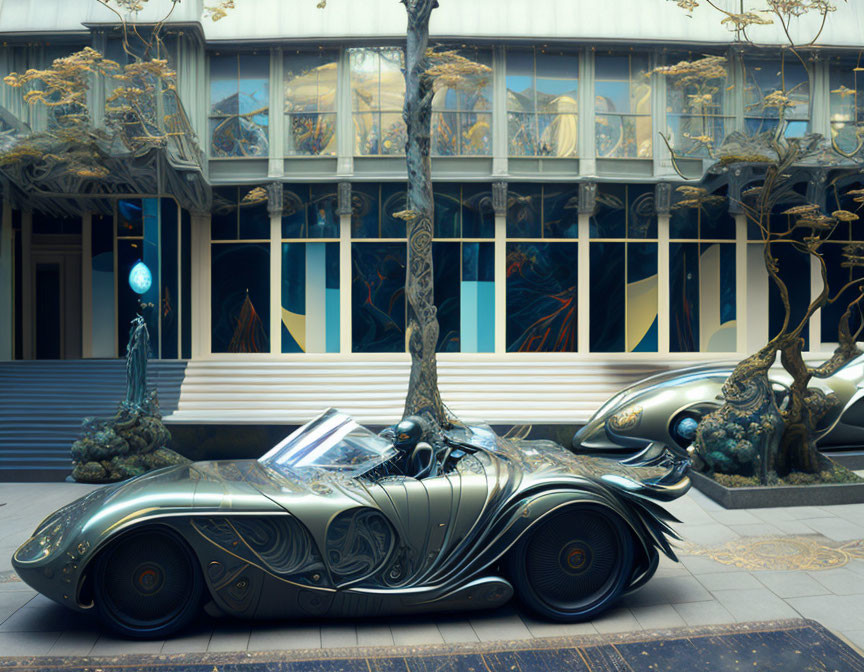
{"points": [[240, 270], [310, 270], [847, 104], [542, 107], [462, 114], [622, 106], [310, 103], [377, 97], [542, 269], [702, 296], [623, 269], [774, 84], [697, 114], [833, 250], [239, 105], [137, 222]]}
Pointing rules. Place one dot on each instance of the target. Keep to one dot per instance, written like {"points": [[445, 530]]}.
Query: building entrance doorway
{"points": [[55, 312]]}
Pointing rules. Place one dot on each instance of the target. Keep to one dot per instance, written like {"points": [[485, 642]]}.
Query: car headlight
{"points": [[51, 532]]}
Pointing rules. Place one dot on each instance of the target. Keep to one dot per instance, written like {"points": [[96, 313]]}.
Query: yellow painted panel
{"points": [[296, 326], [641, 309]]}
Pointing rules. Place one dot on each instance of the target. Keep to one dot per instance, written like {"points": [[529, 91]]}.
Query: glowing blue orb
{"points": [[686, 428], [140, 278]]}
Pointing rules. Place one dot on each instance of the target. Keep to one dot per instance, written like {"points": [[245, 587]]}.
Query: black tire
{"points": [[574, 564], [147, 584]]}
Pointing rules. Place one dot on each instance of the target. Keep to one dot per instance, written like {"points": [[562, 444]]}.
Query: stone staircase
{"points": [[498, 391], [43, 402]]}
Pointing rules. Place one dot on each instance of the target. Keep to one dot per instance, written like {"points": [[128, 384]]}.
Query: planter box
{"points": [[763, 497]]}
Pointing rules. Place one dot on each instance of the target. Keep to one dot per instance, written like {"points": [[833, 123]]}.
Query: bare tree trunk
{"points": [[423, 396]]}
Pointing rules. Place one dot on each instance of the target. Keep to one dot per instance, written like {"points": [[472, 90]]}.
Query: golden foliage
{"points": [[688, 72], [449, 69], [695, 197], [744, 19], [254, 196], [802, 209], [844, 216]]}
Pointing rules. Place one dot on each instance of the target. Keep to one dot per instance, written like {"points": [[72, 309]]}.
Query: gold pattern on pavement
{"points": [[782, 553]]}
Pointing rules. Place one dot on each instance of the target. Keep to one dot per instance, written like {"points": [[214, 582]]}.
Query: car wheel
{"points": [[147, 584], [574, 564]]}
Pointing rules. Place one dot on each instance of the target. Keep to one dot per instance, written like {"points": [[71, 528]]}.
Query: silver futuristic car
{"points": [[320, 526], [665, 409]]}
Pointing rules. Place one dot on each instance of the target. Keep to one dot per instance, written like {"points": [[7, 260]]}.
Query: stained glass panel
{"points": [[542, 294], [310, 297], [378, 297], [240, 297]]}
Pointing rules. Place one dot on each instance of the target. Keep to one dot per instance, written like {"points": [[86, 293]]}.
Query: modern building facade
{"points": [[559, 244]]}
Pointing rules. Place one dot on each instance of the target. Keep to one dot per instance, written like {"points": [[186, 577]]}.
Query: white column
{"points": [[742, 277], [500, 283], [7, 281], [26, 286], [345, 284], [200, 275], [815, 321], [587, 149], [584, 290], [86, 285], [662, 283], [275, 284]]}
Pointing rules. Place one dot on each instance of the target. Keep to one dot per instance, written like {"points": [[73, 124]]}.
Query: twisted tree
{"points": [[754, 433]]}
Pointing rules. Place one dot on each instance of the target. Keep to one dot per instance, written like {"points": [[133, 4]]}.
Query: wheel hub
{"points": [[575, 557], [148, 578]]}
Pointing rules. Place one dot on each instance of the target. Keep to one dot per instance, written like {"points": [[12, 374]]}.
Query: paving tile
{"points": [[705, 503], [12, 601], [713, 534], [47, 618], [454, 631], [838, 529], [793, 527], [703, 613], [773, 515], [658, 617], [759, 529], [109, 645], [791, 584], [832, 611], [668, 590], [225, 639], [688, 511], [369, 634], [193, 642], [620, 619], [338, 635], [411, 634], [841, 581], [735, 517], [27, 643], [697, 564], [541, 628], [276, 638], [754, 605], [76, 643], [729, 581], [501, 624], [807, 512]]}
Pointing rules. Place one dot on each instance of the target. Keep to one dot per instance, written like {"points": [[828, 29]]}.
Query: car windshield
{"points": [[332, 441]]}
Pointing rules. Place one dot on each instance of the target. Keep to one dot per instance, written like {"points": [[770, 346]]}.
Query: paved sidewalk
{"points": [[698, 591]]}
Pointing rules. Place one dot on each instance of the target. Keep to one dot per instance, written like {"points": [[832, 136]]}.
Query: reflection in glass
{"points": [[542, 297], [309, 211], [622, 104], [310, 297], [524, 210], [239, 104], [240, 297], [377, 97], [847, 113], [702, 297], [771, 82], [624, 210], [310, 103], [790, 262], [461, 116], [378, 297], [711, 220], [696, 103], [542, 102], [239, 213]]}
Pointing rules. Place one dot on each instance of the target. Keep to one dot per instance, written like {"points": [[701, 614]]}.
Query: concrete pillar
{"points": [[7, 283]]}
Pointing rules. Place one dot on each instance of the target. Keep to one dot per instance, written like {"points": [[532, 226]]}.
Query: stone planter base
{"points": [[763, 497]]}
